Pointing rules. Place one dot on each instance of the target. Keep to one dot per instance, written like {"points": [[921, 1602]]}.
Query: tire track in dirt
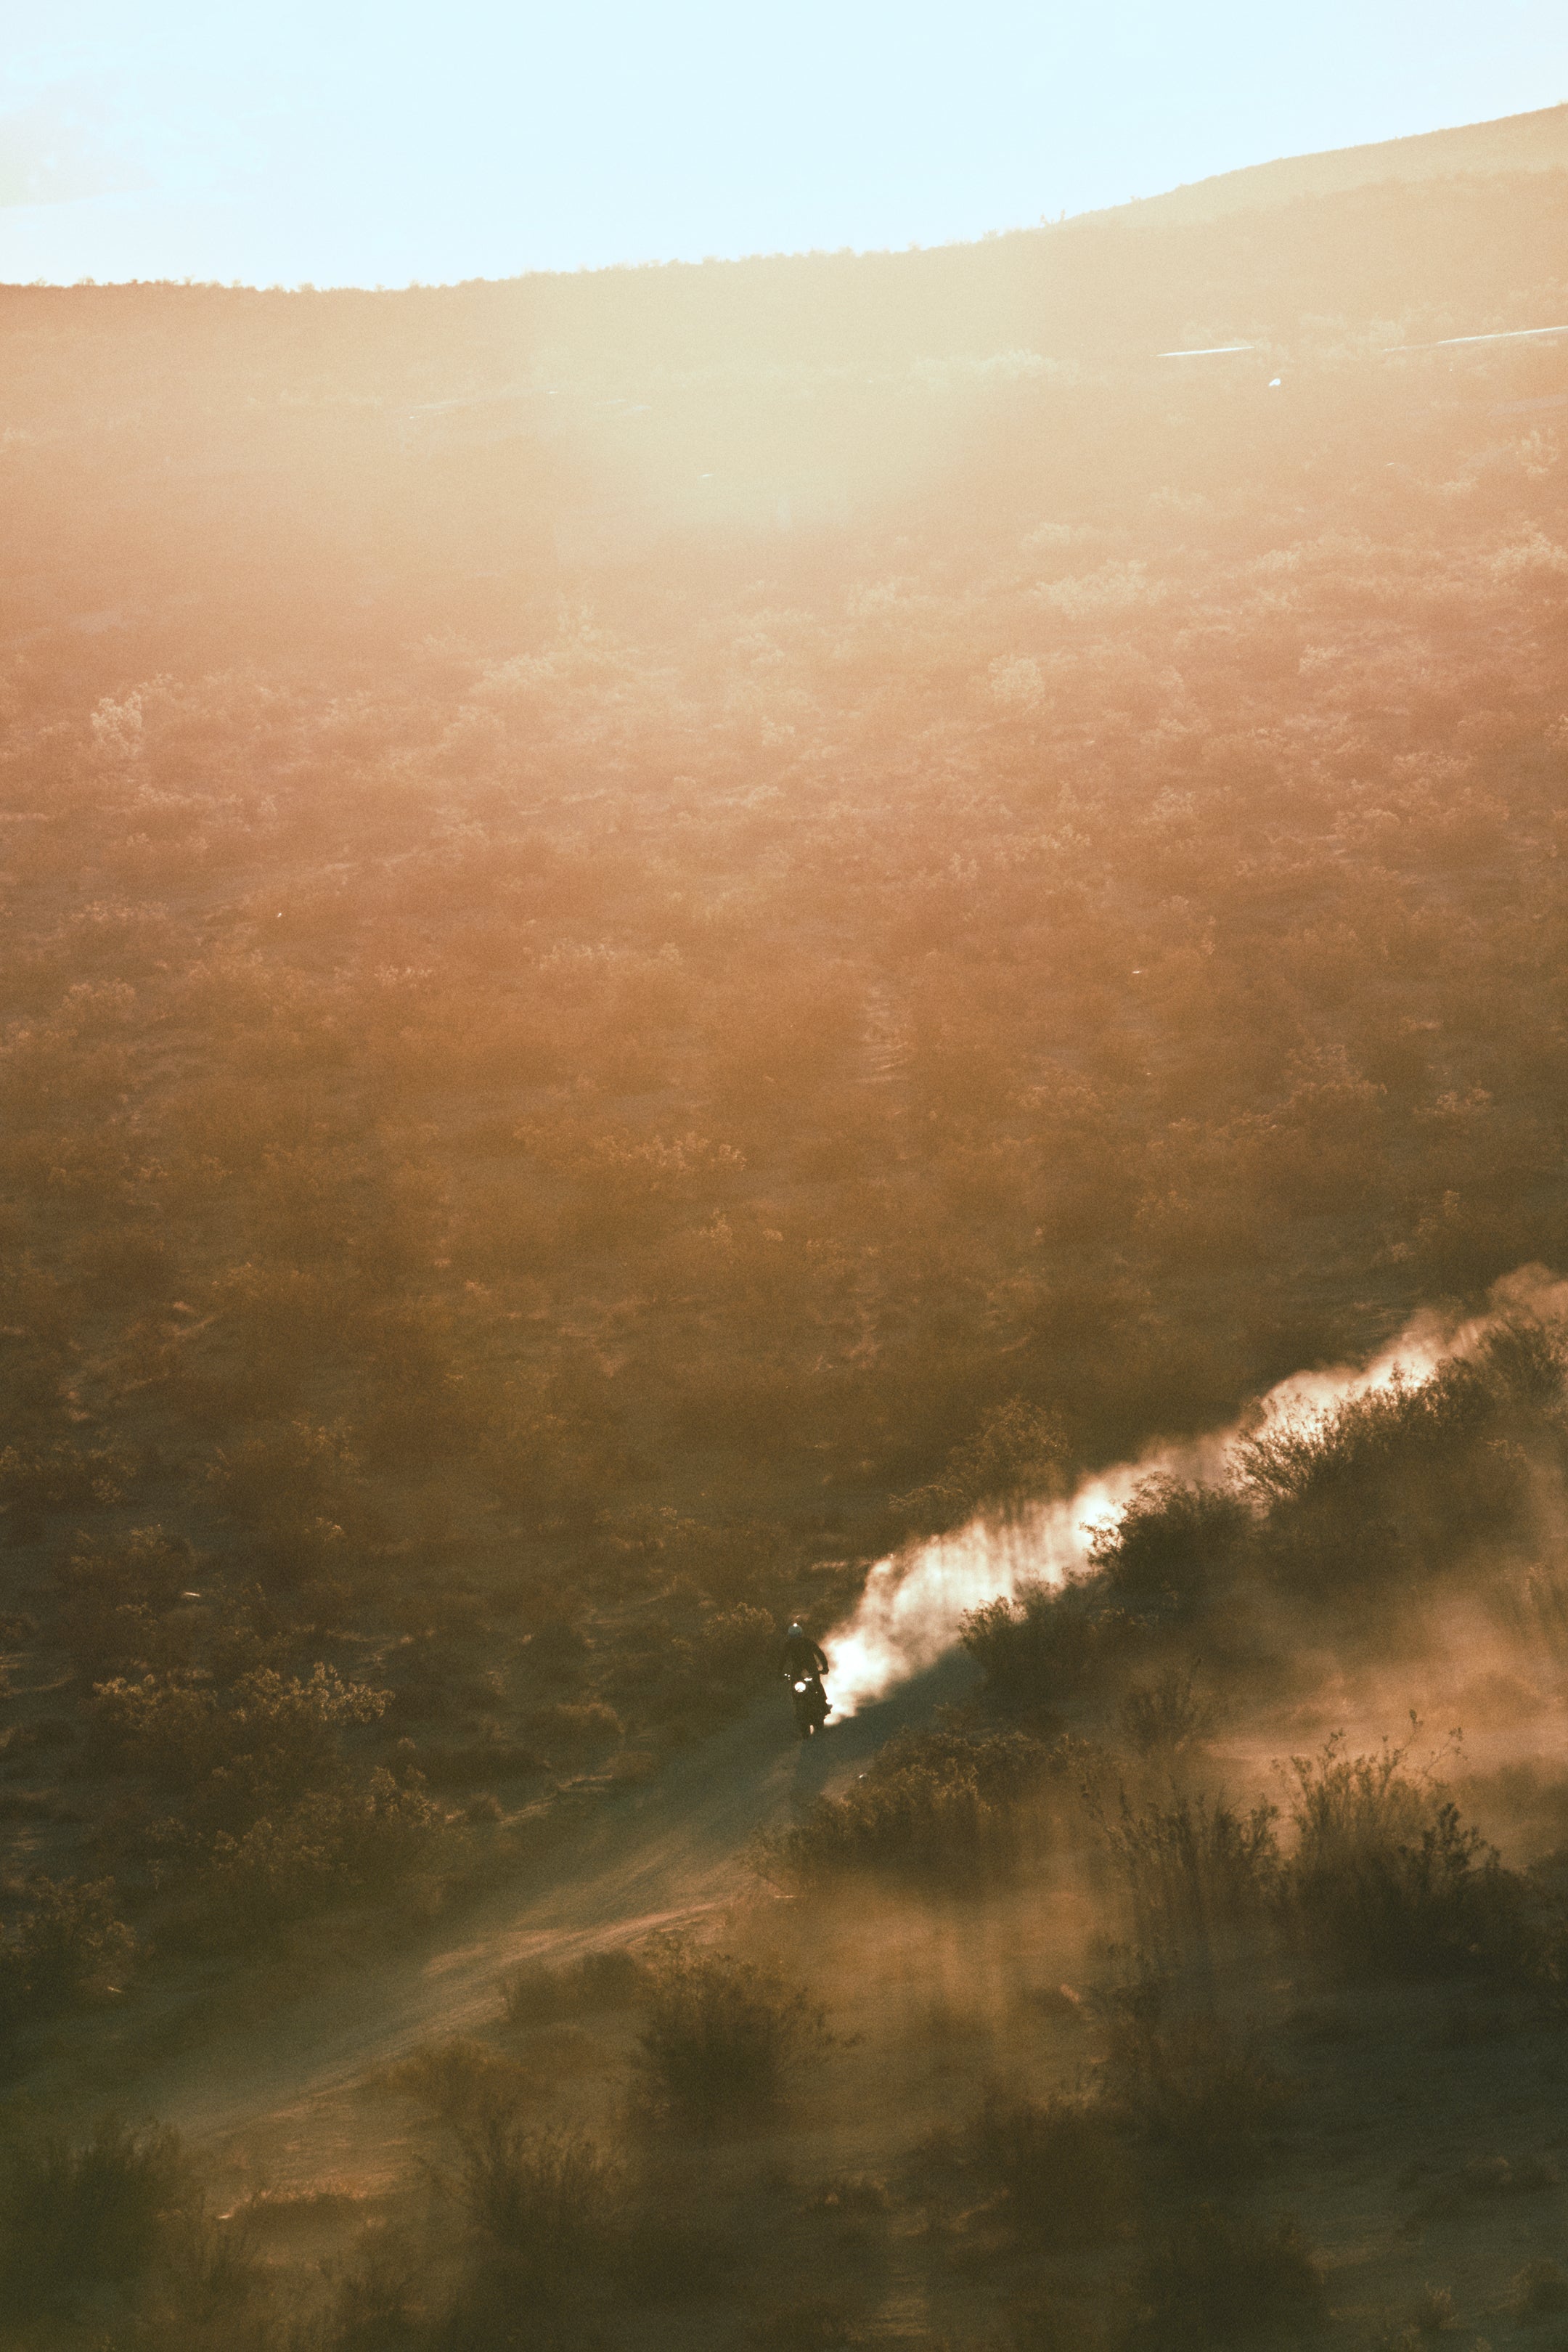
{"points": [[282, 2097]]}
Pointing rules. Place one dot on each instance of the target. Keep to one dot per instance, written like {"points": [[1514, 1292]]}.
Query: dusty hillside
{"points": [[667, 929]]}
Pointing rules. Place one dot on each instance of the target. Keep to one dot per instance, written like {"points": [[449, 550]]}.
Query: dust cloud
{"points": [[912, 1610]]}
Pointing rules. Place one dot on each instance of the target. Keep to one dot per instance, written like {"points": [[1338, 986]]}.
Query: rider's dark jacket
{"points": [[800, 1655]]}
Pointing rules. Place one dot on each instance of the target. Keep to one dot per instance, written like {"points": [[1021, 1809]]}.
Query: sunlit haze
{"points": [[350, 145], [783, 1176]]}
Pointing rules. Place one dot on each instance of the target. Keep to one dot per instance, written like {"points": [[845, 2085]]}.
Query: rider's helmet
{"points": [[796, 1628]]}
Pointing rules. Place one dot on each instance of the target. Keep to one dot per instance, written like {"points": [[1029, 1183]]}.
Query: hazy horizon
{"points": [[329, 147]]}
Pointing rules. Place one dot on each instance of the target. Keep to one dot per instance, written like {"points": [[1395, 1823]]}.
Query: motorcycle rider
{"points": [[803, 1665], [800, 1655]]}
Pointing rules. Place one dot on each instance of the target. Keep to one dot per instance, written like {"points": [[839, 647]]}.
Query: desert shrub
{"points": [[1164, 1717], [1220, 2280], [685, 1681], [39, 1476], [736, 1648], [1389, 1489], [376, 2306], [1018, 1456], [1538, 2290], [553, 2218], [289, 1474], [951, 1808], [464, 2084], [1372, 1442], [276, 1872], [333, 1844], [1052, 1644], [1173, 1543], [113, 1593], [550, 2200], [537, 1994], [262, 1741], [84, 2214], [1432, 2315], [165, 1725], [1386, 1880], [1187, 2084], [67, 1947], [1060, 2165], [722, 2040], [1193, 1865]]}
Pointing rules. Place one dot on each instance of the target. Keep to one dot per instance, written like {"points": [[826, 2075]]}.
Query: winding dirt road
{"points": [[279, 2097]]}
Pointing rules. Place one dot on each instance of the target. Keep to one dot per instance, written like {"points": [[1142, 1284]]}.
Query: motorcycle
{"points": [[810, 1704]]}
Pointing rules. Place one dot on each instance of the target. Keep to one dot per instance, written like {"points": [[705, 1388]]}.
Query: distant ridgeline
{"points": [[1520, 142], [317, 464]]}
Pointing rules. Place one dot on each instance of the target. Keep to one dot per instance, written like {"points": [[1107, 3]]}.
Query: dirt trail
{"points": [[279, 2097]]}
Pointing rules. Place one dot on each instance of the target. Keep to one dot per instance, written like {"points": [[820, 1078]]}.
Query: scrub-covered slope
{"points": [[662, 927]]}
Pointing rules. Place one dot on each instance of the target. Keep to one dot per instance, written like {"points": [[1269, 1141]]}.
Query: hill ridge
{"points": [[1536, 141]]}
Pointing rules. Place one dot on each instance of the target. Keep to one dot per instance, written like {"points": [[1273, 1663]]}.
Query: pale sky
{"points": [[343, 142]]}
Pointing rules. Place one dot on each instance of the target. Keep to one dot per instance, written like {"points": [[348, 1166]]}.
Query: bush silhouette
{"points": [[1052, 1646], [1165, 1717], [1175, 1543], [539, 1994], [368, 1839], [1386, 1879], [1195, 1865], [1061, 2165], [1186, 2085], [939, 1808], [68, 1946], [724, 2041], [1539, 2289], [551, 2202], [1016, 1456], [80, 2215], [1225, 2281]]}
